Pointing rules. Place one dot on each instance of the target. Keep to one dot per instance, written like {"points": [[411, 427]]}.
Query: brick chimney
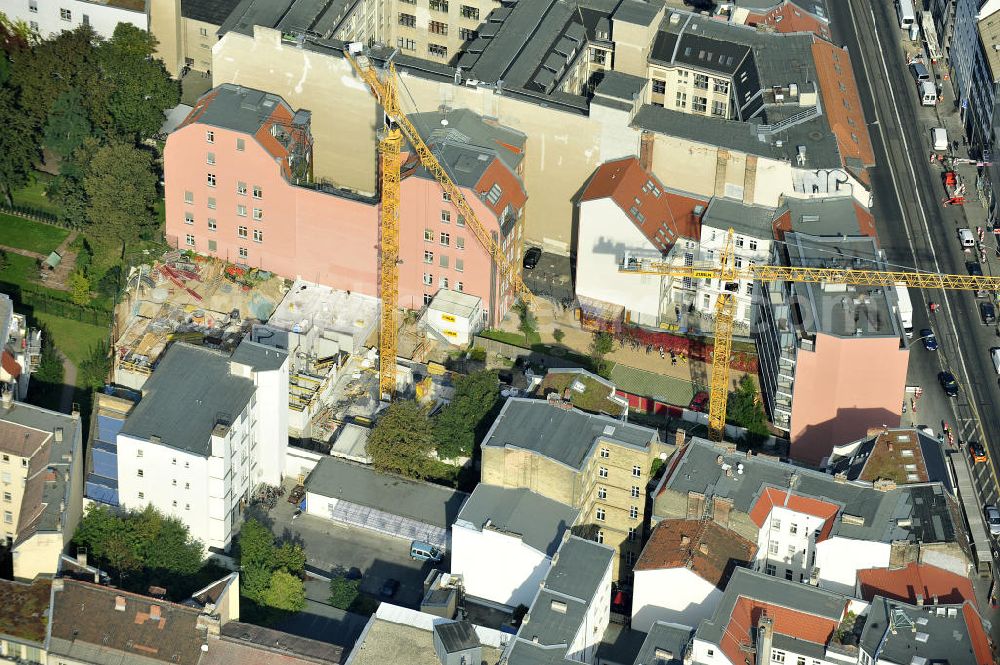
{"points": [[685, 540], [721, 507], [120, 603], [646, 150], [696, 505], [154, 612], [679, 438]]}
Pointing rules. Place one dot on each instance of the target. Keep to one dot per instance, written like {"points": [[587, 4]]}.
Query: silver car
{"points": [[993, 520]]}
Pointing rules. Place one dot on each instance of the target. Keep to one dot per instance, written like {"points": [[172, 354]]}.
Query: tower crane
{"points": [[725, 304], [383, 85]]}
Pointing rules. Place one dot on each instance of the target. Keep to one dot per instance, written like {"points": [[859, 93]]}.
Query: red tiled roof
{"points": [[772, 497], [789, 18], [977, 635], [905, 583], [631, 186], [842, 102], [512, 192], [10, 365], [280, 116], [747, 613], [711, 551]]}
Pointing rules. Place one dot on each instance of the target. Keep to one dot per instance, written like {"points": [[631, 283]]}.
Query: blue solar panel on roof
{"points": [[108, 428]]}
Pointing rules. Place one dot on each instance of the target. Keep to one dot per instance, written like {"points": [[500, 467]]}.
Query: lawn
{"points": [[20, 270], [33, 196], [74, 338], [29, 235], [515, 338]]}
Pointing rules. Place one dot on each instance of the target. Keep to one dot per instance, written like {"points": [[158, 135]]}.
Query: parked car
{"points": [[977, 452], [421, 551], [987, 312], [700, 402], [390, 588], [993, 520], [930, 341], [532, 257], [948, 383], [296, 495]]}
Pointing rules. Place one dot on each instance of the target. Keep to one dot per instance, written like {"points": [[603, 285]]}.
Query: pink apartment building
{"points": [[238, 187]]}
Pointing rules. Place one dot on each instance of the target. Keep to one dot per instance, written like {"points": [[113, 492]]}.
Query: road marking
{"points": [[923, 216]]}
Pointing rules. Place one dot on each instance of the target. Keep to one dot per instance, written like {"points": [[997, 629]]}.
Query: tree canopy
{"points": [[121, 189], [402, 441], [744, 410], [17, 145], [463, 422], [271, 573]]}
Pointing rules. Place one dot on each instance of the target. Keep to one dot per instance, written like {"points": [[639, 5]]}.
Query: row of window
{"points": [[700, 104], [632, 533], [602, 471], [601, 514], [444, 261], [241, 189], [778, 656], [142, 497], [444, 239], [793, 528], [241, 210], [442, 282], [244, 253], [602, 492], [24, 460]]}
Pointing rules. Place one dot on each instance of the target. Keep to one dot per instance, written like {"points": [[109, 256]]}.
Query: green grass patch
{"points": [[515, 338], [33, 195], [74, 338], [30, 235], [20, 270]]}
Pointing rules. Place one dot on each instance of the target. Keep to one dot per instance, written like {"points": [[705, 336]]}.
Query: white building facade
{"points": [[674, 595], [50, 17]]}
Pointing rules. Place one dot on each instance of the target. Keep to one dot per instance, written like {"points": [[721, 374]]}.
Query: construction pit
{"points": [[185, 297]]}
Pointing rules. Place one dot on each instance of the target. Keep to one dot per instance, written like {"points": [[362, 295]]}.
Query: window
{"points": [[444, 282], [460, 265], [429, 235], [209, 136], [446, 217], [602, 471], [428, 279], [241, 188], [459, 287], [437, 50], [777, 656], [139, 473], [493, 196], [739, 242], [775, 523], [188, 197], [772, 547], [212, 245], [428, 298], [242, 232], [788, 576], [241, 210], [600, 514], [258, 235], [770, 569], [174, 482], [470, 12], [598, 56], [210, 158], [461, 222], [189, 218], [699, 104], [174, 503], [444, 261], [659, 87], [138, 452], [701, 81], [6, 458], [749, 288], [406, 44], [721, 87], [141, 496], [637, 471], [793, 528], [602, 493], [636, 491], [633, 512], [438, 27], [258, 214], [241, 145], [33, 25], [465, 34], [630, 558], [243, 254], [682, 100], [718, 108], [408, 20], [599, 536], [631, 533], [187, 506], [211, 180], [65, 15], [737, 261], [801, 660], [791, 551], [445, 239], [605, 453], [7, 497], [460, 242], [211, 224], [258, 193], [8, 517], [189, 240], [211, 202], [439, 5], [428, 257], [33, 6], [174, 461]]}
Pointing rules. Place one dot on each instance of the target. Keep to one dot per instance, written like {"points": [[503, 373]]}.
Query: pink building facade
{"points": [[237, 187]]}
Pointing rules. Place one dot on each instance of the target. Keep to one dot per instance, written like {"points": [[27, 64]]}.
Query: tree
{"points": [[121, 186], [402, 441], [67, 191], [527, 324], [290, 557], [460, 424], [285, 592], [141, 89], [96, 366], [600, 346], [67, 126], [79, 288], [744, 410], [17, 145], [558, 335], [344, 592]]}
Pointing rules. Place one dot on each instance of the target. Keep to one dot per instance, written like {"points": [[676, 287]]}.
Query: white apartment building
{"points": [[50, 17], [209, 429], [20, 350]]}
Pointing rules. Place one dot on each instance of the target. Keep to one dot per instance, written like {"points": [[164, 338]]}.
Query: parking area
{"points": [[332, 546], [551, 278]]}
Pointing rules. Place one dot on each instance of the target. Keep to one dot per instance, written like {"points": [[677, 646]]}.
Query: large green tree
{"points": [[68, 124], [744, 410], [17, 145], [68, 191], [402, 441], [121, 188], [600, 346], [285, 592], [460, 424], [140, 87], [270, 573]]}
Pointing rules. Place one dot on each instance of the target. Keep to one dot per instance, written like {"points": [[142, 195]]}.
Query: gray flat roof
{"points": [[938, 634], [208, 11], [564, 435], [538, 520], [238, 108], [191, 390], [823, 216], [463, 127], [753, 220], [431, 504], [638, 12], [928, 507], [620, 86], [662, 636], [261, 357]]}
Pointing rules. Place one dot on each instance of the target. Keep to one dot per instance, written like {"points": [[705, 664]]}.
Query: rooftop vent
{"points": [[120, 603], [559, 607], [609, 430], [922, 637]]}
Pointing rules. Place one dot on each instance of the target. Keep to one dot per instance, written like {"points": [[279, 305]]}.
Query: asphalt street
{"points": [[918, 232]]}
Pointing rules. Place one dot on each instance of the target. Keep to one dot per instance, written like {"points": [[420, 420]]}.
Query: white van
{"points": [[939, 138], [995, 354], [966, 238], [928, 93]]}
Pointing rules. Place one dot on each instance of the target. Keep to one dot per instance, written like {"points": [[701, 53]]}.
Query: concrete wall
{"points": [[840, 559], [480, 556], [48, 16], [794, 550], [675, 595], [845, 386], [299, 461]]}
